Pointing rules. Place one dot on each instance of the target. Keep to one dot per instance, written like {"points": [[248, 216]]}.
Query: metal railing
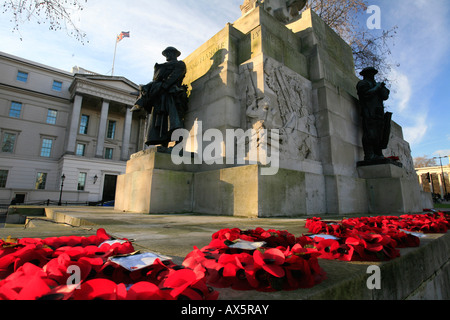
{"points": [[48, 203]]}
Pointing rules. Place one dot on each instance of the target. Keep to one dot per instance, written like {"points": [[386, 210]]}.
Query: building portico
{"points": [[438, 182]]}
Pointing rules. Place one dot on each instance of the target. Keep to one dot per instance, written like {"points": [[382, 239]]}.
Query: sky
{"points": [[420, 91]]}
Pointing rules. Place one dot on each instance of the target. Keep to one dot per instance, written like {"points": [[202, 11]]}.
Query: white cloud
{"points": [[420, 46], [153, 24], [416, 131], [403, 91], [442, 153], [420, 49]]}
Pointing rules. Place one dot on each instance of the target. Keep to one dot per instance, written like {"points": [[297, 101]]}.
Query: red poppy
{"points": [[57, 269], [246, 273], [144, 291], [36, 255], [179, 281], [30, 241], [215, 246], [27, 283], [229, 264], [117, 248], [227, 234], [270, 260], [99, 289]]}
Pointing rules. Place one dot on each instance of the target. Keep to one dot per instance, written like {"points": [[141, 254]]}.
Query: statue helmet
{"points": [[369, 70], [171, 49]]}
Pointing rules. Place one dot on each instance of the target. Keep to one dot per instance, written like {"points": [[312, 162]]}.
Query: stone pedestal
{"points": [[390, 190], [153, 184]]}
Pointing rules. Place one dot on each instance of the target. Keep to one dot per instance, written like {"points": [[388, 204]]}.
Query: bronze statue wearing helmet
{"points": [[164, 99], [376, 123]]}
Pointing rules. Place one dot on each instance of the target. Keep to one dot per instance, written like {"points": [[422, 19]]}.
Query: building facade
{"points": [[56, 124], [435, 180]]}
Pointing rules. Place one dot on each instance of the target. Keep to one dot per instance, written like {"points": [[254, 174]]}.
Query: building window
{"points": [[82, 181], [8, 142], [46, 149], [57, 86], [51, 116], [41, 180], [111, 130], [3, 178], [84, 124], [22, 76], [15, 110], [81, 150], [109, 153]]}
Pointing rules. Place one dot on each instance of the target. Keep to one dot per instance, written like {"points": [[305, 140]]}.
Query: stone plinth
{"points": [[381, 171], [390, 189], [153, 184]]}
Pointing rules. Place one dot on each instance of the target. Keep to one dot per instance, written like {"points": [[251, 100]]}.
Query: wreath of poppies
{"points": [[262, 260], [38, 269], [279, 263], [373, 238]]}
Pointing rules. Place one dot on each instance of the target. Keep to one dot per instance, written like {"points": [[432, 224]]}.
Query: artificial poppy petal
{"points": [[97, 289], [143, 291]]}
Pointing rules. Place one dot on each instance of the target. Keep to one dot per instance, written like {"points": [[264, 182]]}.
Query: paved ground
{"points": [[176, 235]]}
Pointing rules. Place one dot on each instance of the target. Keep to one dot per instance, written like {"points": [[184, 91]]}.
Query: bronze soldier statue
{"points": [[376, 123], [164, 99]]}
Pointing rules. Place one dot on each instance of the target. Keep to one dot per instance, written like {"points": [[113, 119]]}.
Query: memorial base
{"points": [[390, 190], [153, 184]]}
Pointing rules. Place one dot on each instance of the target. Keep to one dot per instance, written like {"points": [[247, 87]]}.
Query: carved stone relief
{"points": [[401, 149], [286, 105]]}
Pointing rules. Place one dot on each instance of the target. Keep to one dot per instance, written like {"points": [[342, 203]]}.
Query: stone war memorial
{"points": [[276, 125]]}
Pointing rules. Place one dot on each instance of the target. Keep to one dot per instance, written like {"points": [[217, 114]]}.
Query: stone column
{"points": [[441, 184], [126, 134], [102, 129], [74, 123], [419, 175]]}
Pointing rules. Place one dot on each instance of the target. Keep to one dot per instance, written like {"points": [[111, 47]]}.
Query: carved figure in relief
{"points": [[285, 106]]}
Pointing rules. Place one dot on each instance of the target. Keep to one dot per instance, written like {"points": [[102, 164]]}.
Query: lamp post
{"points": [[63, 177], [443, 177]]}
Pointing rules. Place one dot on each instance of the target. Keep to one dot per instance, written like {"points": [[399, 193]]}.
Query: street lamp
{"points": [[63, 177], [443, 177]]}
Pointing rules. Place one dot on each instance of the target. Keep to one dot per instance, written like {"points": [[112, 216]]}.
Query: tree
{"points": [[58, 13], [370, 47], [424, 162]]}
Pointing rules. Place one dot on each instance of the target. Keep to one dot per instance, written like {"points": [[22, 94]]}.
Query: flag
{"points": [[122, 35]]}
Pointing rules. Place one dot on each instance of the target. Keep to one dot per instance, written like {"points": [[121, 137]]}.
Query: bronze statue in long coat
{"points": [[164, 99], [376, 122]]}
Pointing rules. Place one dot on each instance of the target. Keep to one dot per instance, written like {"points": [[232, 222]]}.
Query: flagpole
{"points": [[114, 60]]}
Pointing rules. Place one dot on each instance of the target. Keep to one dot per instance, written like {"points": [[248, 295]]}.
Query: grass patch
{"points": [[442, 205]]}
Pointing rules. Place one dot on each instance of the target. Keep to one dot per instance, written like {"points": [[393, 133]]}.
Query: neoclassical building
{"points": [[435, 179], [55, 123]]}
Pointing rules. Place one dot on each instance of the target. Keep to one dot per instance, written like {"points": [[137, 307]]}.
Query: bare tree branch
{"points": [[370, 48], [58, 13], [424, 162]]}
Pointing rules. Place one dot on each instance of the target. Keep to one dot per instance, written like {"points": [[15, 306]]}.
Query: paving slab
{"points": [[412, 276]]}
